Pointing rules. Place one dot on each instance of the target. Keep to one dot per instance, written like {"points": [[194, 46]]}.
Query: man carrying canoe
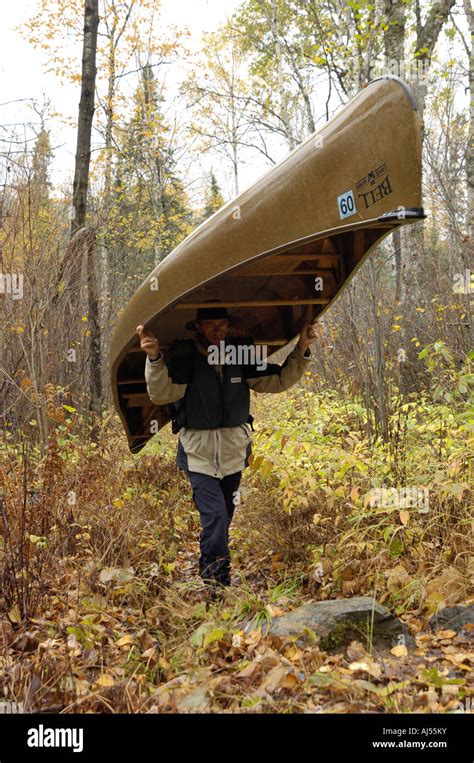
{"points": [[210, 405]]}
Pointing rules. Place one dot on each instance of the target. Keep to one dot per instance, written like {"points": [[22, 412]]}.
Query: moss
{"points": [[343, 632]]}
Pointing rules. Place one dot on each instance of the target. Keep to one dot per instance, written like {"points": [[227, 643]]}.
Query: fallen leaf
{"points": [[105, 680], [249, 669], [399, 651], [196, 701], [367, 667], [26, 642], [14, 614], [448, 588], [446, 634], [279, 677], [124, 641], [356, 651], [120, 574]]}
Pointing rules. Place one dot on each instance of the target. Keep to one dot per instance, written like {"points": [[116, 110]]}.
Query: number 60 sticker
{"points": [[346, 204]]}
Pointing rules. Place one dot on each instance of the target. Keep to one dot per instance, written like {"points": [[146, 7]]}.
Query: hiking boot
{"points": [[215, 591]]}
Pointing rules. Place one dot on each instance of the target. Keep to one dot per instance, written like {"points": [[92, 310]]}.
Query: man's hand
{"points": [[148, 342], [308, 334]]}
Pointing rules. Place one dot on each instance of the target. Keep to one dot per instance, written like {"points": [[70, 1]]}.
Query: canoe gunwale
{"points": [[402, 83]]}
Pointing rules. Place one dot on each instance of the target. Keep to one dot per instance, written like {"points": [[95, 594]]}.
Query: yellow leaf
{"points": [[359, 666], [14, 614], [446, 634], [105, 680], [118, 503], [125, 640], [255, 462], [404, 517], [354, 493], [399, 651], [266, 468]]}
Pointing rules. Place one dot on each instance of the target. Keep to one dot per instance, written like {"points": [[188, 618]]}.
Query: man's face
{"points": [[214, 331]]}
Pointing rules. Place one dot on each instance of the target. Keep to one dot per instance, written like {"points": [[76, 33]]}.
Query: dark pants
{"points": [[214, 499]]}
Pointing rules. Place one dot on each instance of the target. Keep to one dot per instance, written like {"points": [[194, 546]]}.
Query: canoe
{"points": [[280, 252]]}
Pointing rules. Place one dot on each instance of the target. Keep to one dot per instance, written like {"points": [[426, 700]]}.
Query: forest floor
{"points": [[104, 609]]}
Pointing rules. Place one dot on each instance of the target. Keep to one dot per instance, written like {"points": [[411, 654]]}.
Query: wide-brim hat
{"points": [[207, 313]]}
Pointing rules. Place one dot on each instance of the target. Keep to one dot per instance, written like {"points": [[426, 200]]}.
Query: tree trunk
{"points": [[81, 176], [86, 114], [394, 49], [470, 165], [394, 44], [426, 38], [283, 95], [95, 378], [380, 407]]}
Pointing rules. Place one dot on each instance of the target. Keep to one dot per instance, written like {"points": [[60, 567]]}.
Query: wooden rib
{"points": [[283, 275], [359, 243], [321, 246], [166, 346], [301, 256], [254, 303], [136, 400]]}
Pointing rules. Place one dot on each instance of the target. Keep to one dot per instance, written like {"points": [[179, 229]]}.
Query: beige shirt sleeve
{"points": [[159, 384], [289, 375]]}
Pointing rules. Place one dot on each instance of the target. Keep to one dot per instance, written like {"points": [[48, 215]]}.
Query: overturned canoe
{"points": [[279, 253]]}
